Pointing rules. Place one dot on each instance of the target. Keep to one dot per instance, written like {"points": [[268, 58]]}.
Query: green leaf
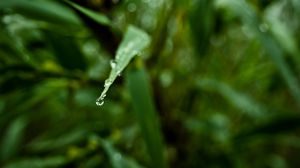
{"points": [[8, 49], [134, 42], [99, 18], [49, 11], [139, 88], [12, 139], [202, 20], [281, 31], [54, 161]]}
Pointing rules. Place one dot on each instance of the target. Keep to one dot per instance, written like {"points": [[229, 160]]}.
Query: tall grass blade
{"points": [[99, 18], [13, 138], [49, 162], [49, 11], [134, 42], [139, 88]]}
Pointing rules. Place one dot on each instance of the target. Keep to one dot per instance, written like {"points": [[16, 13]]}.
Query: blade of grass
{"points": [[53, 161], [99, 18], [139, 88], [13, 138], [49, 11], [134, 42], [281, 31], [201, 19], [99, 24]]}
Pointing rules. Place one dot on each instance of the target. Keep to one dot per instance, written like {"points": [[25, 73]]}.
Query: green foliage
{"points": [[134, 42], [139, 88], [49, 11], [196, 83], [37, 162], [101, 19]]}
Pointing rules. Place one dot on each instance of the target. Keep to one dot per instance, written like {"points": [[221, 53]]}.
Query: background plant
{"points": [[196, 83]]}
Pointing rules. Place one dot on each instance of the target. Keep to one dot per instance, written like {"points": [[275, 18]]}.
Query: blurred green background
{"points": [[193, 83]]}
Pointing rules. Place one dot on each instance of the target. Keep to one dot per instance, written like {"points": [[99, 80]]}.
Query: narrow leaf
{"points": [[139, 88], [49, 11], [99, 18], [12, 139], [134, 42], [54, 161]]}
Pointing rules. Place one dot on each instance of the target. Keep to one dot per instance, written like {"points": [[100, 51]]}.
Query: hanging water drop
{"points": [[100, 100], [133, 42], [99, 103], [113, 64]]}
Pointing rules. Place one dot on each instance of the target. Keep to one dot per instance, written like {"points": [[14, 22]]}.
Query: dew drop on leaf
{"points": [[113, 64], [99, 103], [107, 83], [133, 43]]}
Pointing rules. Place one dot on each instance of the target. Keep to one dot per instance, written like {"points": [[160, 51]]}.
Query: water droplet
{"points": [[99, 103], [100, 100], [131, 7], [107, 83], [113, 64], [119, 73]]}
